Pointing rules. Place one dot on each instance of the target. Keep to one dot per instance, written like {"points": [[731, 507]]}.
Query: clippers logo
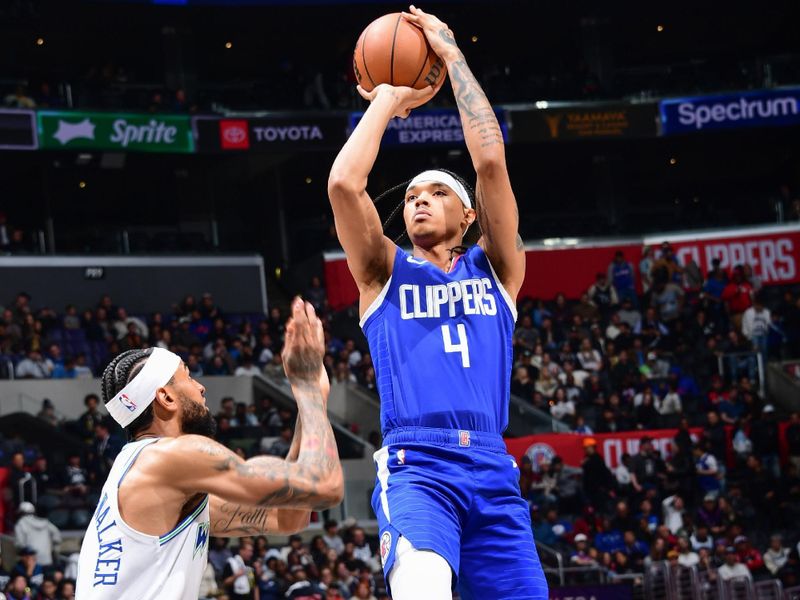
{"points": [[540, 456], [401, 456], [233, 135], [127, 402], [463, 439], [386, 545]]}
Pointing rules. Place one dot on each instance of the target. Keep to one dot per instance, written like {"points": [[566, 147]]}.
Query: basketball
{"points": [[392, 50]]}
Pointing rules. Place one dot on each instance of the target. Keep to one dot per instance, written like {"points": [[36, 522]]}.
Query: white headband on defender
{"points": [[141, 391], [446, 179]]}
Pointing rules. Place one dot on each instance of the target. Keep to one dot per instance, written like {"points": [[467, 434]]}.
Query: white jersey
{"points": [[119, 563]]}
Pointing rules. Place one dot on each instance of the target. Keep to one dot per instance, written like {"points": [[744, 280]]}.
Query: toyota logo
{"points": [[234, 134]]}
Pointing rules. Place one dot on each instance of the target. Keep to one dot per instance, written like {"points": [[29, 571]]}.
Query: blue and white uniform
{"points": [[441, 345], [119, 563]]}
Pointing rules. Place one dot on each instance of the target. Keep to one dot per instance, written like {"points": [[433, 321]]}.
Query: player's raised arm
{"points": [[498, 215], [314, 481], [369, 252], [233, 519]]}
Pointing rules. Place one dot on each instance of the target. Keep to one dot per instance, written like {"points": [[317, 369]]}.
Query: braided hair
{"points": [[472, 235], [119, 373]]}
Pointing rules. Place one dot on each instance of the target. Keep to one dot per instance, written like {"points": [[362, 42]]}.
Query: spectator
{"points": [[34, 366], [362, 551], [649, 469], [280, 447], [621, 276], [597, 479], [777, 555], [738, 296], [19, 589], [580, 556], [687, 556], [748, 556], [521, 384], [602, 294], [238, 577], [526, 336], [667, 297], [765, 436], [707, 470], [646, 268], [48, 413], [302, 588], [332, 537], [700, 538], [219, 554], [36, 533], [28, 568], [670, 403], [674, 509], [90, 417], [75, 481], [756, 322]]}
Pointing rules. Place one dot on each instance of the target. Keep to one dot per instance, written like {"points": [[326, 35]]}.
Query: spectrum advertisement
{"points": [[763, 108]]}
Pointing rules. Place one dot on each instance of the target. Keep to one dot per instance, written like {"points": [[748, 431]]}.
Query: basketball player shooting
{"points": [[439, 321], [172, 487]]}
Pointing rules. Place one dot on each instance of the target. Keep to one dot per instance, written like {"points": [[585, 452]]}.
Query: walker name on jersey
{"points": [[468, 296], [109, 543]]}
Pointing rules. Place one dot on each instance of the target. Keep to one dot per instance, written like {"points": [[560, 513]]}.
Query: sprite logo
{"points": [[109, 131], [154, 132]]}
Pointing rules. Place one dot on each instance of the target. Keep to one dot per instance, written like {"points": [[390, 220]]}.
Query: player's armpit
{"points": [[231, 519], [195, 464]]}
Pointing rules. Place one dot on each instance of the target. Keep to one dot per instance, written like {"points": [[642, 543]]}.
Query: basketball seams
{"points": [[391, 54], [364, 55], [425, 61]]}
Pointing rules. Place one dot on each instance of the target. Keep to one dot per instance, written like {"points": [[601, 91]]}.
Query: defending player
{"points": [[172, 487], [439, 323]]}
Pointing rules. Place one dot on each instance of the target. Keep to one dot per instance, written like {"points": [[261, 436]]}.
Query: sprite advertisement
{"points": [[59, 130]]}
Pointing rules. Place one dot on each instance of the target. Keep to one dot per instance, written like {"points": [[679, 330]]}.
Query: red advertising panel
{"points": [[611, 446], [571, 268]]}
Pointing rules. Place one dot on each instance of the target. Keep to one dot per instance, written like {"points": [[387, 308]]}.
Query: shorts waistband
{"points": [[459, 438]]}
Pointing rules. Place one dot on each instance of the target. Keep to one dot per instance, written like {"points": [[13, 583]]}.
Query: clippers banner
{"points": [[772, 251]]}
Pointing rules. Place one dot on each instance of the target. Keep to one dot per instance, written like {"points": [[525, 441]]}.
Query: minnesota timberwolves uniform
{"points": [[120, 563], [441, 347]]}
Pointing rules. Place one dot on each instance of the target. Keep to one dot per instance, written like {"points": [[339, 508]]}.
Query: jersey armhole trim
{"points": [[185, 523], [133, 460], [503, 292], [376, 304]]}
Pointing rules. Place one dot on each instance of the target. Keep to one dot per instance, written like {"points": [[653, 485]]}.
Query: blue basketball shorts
{"points": [[456, 493]]}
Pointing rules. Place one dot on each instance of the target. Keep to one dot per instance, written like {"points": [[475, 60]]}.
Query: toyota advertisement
{"points": [[269, 134]]}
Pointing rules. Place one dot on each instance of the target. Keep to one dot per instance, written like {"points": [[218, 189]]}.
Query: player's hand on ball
{"points": [[438, 34], [405, 99]]}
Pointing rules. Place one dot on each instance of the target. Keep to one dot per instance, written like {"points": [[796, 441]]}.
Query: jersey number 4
{"points": [[461, 346]]}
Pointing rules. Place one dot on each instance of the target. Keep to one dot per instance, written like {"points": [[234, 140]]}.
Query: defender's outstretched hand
{"points": [[304, 346]]}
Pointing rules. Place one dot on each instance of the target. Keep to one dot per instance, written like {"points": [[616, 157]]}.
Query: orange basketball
{"points": [[392, 50]]}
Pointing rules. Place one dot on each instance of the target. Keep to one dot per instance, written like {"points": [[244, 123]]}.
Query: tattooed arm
{"points": [[498, 215], [370, 254], [195, 464]]}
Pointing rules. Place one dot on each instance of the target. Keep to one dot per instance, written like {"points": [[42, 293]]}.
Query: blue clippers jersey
{"points": [[441, 344]]}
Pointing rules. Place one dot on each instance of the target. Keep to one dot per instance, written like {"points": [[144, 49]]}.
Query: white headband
{"points": [[446, 179], [141, 391]]}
